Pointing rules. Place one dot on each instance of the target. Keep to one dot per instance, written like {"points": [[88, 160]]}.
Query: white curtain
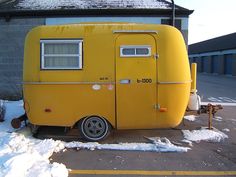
{"points": [[65, 55], [63, 62]]}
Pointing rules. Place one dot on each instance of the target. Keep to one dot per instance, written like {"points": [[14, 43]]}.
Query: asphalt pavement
{"points": [[216, 88], [204, 158]]}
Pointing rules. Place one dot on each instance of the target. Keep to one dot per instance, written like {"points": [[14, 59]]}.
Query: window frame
{"points": [[79, 42], [149, 47]]}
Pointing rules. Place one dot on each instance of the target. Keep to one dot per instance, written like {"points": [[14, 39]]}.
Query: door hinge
{"points": [[156, 106]]}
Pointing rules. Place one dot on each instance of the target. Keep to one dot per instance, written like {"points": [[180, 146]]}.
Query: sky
{"points": [[210, 19]]}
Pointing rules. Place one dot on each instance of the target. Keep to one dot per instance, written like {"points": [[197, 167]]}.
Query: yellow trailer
{"points": [[102, 75]]}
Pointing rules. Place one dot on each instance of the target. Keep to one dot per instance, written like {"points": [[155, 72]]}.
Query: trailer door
{"points": [[135, 81]]}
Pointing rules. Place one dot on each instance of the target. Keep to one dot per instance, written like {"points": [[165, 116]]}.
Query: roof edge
{"points": [[92, 12], [220, 43]]}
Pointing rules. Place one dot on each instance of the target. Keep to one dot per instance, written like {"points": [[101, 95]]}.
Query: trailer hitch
{"points": [[211, 111], [16, 122]]}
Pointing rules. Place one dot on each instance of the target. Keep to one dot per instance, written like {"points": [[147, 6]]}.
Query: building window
{"points": [[135, 51], [61, 54], [169, 22]]}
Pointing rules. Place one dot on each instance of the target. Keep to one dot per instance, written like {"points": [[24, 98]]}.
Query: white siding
{"points": [[56, 21], [150, 20]]}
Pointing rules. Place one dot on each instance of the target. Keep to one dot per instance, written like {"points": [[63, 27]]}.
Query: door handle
{"points": [[125, 81]]}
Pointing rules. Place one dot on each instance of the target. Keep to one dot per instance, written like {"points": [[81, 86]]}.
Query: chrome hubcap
{"points": [[94, 127]]}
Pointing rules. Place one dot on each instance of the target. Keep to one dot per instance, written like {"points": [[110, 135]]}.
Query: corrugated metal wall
{"points": [[217, 64]]}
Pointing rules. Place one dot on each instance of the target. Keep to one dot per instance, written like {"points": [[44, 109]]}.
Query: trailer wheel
{"points": [[94, 128]]}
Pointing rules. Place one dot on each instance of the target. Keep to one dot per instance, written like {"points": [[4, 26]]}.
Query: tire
{"points": [[94, 128]]}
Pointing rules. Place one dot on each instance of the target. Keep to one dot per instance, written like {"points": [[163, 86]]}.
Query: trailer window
{"points": [[135, 51], [61, 54]]}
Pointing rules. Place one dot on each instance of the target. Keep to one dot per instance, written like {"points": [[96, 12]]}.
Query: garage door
{"points": [[228, 61]]}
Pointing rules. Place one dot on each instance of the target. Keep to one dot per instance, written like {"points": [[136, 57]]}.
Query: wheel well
{"points": [[80, 121]]}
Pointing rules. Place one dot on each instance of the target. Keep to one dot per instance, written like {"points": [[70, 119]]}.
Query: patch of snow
{"points": [[158, 145], [22, 154], [190, 117], [92, 4], [214, 99], [204, 134], [16, 148], [222, 99], [188, 142], [226, 130], [216, 103], [218, 118]]}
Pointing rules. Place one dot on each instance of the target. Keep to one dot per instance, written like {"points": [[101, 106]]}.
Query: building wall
{"points": [[12, 36], [181, 22], [234, 65], [219, 62]]}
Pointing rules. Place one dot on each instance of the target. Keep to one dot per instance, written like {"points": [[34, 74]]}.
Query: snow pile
{"points": [[29, 157], [190, 117], [22, 154], [157, 145], [205, 135], [92, 4]]}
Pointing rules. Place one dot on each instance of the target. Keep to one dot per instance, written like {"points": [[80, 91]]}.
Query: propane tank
{"points": [[194, 103]]}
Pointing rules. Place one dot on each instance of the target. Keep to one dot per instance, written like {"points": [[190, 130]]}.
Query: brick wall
{"points": [[12, 36]]}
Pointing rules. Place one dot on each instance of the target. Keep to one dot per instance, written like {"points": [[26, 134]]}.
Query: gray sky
{"points": [[211, 18]]}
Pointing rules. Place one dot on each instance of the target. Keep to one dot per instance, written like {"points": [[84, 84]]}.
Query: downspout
{"points": [[173, 12]]}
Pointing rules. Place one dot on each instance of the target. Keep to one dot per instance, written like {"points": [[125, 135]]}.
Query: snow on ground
{"points": [[188, 142], [218, 118], [158, 145], [29, 157], [217, 103], [190, 117], [226, 130], [22, 154], [204, 134]]}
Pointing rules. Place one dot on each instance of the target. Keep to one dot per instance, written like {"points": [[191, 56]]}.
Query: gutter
{"points": [[173, 12], [6, 13]]}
